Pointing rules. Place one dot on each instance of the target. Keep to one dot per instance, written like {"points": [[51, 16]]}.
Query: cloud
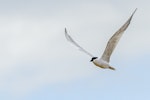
{"points": [[34, 51]]}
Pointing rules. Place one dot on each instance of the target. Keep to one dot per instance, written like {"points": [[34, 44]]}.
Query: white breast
{"points": [[101, 63]]}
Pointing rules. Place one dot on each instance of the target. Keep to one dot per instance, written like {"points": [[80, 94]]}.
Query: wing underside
{"points": [[114, 40], [69, 38]]}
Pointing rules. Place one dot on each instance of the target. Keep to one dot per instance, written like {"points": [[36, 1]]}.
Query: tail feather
{"points": [[112, 68]]}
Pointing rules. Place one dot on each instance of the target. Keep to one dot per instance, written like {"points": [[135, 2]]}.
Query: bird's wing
{"points": [[114, 40], [68, 37]]}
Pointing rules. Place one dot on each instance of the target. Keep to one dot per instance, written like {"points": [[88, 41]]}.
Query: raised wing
{"points": [[68, 37], [114, 40]]}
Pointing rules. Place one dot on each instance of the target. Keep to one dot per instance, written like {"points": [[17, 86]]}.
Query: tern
{"points": [[103, 61]]}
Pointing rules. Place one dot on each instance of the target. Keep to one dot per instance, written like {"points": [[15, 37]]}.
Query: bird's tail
{"points": [[111, 68]]}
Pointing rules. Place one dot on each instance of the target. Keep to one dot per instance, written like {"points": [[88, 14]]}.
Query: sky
{"points": [[38, 63]]}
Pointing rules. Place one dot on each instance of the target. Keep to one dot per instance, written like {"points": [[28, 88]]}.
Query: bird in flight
{"points": [[103, 61]]}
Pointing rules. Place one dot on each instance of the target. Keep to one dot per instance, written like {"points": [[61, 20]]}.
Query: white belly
{"points": [[101, 63]]}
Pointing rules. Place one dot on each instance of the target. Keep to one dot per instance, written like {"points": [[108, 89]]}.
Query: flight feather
{"points": [[114, 40]]}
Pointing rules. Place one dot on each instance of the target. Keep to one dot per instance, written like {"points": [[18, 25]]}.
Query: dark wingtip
{"points": [[134, 11], [65, 30], [132, 15]]}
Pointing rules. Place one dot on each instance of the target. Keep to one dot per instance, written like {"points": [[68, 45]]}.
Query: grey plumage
{"points": [[113, 41]]}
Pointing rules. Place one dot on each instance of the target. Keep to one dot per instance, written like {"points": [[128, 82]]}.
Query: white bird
{"points": [[103, 61]]}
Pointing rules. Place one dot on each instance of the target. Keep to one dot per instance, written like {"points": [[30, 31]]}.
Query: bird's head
{"points": [[93, 58]]}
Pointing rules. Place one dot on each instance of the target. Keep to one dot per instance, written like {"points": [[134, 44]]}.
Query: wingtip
{"points": [[134, 11], [132, 14], [65, 30], [66, 34]]}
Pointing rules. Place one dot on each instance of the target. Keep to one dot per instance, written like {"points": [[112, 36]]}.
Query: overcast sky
{"points": [[38, 63]]}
